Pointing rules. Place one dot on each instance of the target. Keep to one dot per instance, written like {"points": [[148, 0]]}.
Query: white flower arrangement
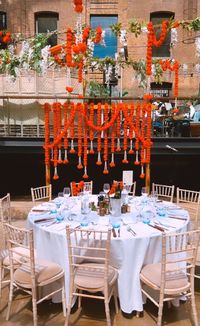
{"points": [[174, 37], [197, 44]]}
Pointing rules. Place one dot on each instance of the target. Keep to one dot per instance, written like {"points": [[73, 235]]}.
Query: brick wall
{"points": [[20, 16]]}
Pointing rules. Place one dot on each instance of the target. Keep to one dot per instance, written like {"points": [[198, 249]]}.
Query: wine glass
{"points": [[106, 188], [154, 196], [66, 192], [144, 191]]}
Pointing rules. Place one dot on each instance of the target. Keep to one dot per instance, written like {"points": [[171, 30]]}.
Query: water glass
{"points": [[154, 197], [59, 217], [115, 221], [66, 192], [144, 191], [147, 217], [127, 188], [161, 211], [106, 188]]}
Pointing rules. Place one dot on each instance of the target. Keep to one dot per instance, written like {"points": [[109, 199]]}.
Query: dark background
{"points": [[22, 167]]}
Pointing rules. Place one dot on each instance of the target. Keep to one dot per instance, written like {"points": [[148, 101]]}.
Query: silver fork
{"points": [[131, 230], [166, 225]]}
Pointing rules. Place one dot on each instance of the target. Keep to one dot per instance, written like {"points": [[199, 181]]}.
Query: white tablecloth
{"points": [[128, 253]]}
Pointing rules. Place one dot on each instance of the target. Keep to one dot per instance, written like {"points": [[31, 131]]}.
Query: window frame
{"points": [[53, 40], [163, 15], [97, 45]]}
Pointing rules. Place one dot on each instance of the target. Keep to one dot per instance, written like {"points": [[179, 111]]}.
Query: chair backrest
{"points": [[88, 246], [20, 238], [133, 186], [179, 251], [164, 191], [5, 217], [190, 200], [41, 193], [77, 187], [5, 209]]}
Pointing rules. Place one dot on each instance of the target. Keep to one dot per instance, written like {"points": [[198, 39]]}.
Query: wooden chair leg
{"points": [[1, 278], [160, 310], [116, 302], [194, 309], [64, 299], [79, 300], [10, 300], [34, 305], [68, 310], [107, 310]]}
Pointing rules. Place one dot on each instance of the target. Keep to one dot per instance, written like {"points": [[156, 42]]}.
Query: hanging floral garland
{"points": [[65, 107], [139, 123], [152, 41], [173, 66], [78, 6]]}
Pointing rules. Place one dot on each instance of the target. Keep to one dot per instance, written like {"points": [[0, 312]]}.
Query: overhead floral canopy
{"points": [[78, 49]]}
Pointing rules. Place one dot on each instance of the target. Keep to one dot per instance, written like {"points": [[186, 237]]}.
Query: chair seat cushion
{"points": [[151, 274], [44, 272], [18, 259], [91, 276]]}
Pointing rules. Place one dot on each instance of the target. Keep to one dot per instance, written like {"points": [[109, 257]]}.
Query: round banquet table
{"points": [[128, 254]]}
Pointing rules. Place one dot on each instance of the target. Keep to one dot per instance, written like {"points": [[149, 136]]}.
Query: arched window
{"points": [[47, 21], [157, 18]]}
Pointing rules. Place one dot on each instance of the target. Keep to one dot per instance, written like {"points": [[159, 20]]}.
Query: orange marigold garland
{"points": [[152, 41], [58, 131], [131, 151], [65, 106], [174, 66], [55, 148], [79, 166], [130, 121], [72, 133], [142, 151], [91, 130], [85, 176], [78, 6], [99, 162], [69, 43], [137, 132], [105, 171], [148, 142], [125, 161], [98, 36], [5, 37], [77, 188], [112, 163], [47, 108], [118, 129], [80, 71], [142, 174]]}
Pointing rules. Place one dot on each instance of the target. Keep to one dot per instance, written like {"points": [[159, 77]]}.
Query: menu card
{"points": [[127, 177]]}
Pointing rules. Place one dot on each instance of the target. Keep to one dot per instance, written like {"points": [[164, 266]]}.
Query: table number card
{"points": [[127, 177]]}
